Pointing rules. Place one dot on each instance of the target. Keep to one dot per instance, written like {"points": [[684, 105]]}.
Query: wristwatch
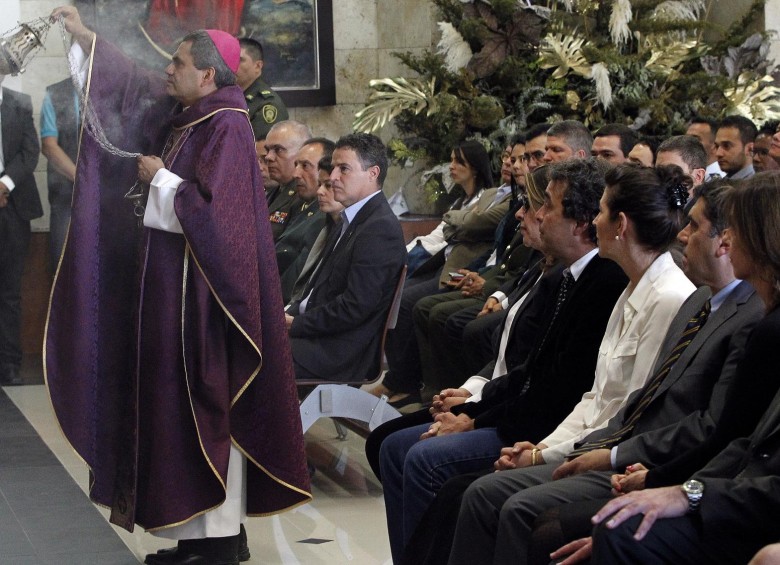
{"points": [[694, 490]]}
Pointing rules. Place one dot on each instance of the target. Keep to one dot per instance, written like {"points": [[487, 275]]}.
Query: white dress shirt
{"points": [[634, 334]]}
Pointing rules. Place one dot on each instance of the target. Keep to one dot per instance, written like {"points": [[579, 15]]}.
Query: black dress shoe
{"points": [[188, 549]]}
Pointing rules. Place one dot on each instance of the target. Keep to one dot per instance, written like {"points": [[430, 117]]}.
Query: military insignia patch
{"points": [[269, 113]]}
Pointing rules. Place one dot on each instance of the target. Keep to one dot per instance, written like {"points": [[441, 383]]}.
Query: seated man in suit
{"points": [[335, 328], [674, 412], [292, 247]]}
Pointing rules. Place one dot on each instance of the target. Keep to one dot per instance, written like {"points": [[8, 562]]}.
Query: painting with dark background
{"points": [[297, 36]]}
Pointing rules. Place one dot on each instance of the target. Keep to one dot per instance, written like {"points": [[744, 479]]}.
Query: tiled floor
{"points": [[45, 517]]}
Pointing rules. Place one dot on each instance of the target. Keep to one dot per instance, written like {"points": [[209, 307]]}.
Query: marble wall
{"points": [[366, 32]]}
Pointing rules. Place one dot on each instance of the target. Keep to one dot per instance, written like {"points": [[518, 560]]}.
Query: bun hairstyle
{"points": [[653, 198]]}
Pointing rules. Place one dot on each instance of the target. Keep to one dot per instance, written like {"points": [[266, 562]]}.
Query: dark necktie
{"points": [[333, 238], [691, 329], [563, 293]]}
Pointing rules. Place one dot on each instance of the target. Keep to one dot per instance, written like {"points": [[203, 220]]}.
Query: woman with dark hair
{"points": [[470, 172]]}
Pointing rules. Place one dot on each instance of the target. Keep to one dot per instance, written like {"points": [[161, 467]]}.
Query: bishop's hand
{"points": [[148, 165], [73, 25]]}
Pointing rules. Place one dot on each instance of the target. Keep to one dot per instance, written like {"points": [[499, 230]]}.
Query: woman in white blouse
{"points": [[641, 212]]}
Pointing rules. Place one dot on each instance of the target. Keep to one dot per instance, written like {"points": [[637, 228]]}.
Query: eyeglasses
{"points": [[523, 201], [536, 156]]}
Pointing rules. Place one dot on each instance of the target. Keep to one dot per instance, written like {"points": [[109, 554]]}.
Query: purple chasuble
{"points": [[162, 348]]}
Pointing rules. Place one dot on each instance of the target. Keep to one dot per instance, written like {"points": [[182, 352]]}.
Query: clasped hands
{"points": [[444, 421], [652, 503]]}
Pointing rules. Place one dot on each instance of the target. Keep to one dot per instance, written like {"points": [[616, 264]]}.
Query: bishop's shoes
{"points": [[207, 551]]}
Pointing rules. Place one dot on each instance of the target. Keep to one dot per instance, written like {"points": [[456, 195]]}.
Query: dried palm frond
{"points": [[564, 53], [665, 56], [757, 99], [384, 105]]}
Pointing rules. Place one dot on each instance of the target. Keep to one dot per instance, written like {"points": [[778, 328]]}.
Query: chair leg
{"points": [[341, 431]]}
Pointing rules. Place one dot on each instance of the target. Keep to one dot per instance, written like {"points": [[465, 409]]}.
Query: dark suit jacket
{"points": [[563, 369], [20, 153], [741, 499], [338, 336], [683, 411], [528, 318], [293, 246]]}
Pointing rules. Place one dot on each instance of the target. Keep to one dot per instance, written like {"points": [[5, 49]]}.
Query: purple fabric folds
{"points": [[161, 347]]}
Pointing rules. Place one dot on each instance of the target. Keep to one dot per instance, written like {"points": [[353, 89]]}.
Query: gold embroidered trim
{"points": [[207, 116]]}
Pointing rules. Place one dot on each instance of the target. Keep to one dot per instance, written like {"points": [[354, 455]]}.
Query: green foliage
{"points": [[537, 64]]}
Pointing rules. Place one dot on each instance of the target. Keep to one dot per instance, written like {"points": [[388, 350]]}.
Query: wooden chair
{"points": [[337, 399]]}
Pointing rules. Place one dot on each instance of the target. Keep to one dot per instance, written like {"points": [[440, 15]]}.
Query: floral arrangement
{"points": [[502, 65]]}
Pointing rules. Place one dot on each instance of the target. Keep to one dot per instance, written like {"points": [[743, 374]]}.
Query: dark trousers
{"points": [[403, 355], [14, 241], [375, 438], [673, 541]]}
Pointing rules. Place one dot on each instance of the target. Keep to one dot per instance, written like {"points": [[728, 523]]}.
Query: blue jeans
{"points": [[413, 471]]}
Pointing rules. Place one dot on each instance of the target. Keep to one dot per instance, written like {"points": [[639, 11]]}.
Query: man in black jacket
{"points": [[19, 203], [335, 329]]}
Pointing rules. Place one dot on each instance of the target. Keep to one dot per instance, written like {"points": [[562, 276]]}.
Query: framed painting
{"points": [[297, 36]]}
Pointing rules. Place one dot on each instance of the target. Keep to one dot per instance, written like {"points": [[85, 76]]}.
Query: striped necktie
{"points": [[691, 329]]}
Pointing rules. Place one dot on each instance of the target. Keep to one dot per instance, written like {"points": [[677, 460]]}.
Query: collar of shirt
{"points": [[744, 173], [579, 265], [718, 299], [501, 193], [639, 294], [713, 169], [352, 211]]}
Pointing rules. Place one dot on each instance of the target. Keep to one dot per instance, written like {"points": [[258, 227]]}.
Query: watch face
{"points": [[693, 487]]}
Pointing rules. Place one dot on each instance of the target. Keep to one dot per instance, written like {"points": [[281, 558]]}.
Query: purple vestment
{"points": [[161, 347]]}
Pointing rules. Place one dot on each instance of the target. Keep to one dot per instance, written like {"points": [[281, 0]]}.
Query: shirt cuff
{"points": [[160, 213], [9, 184], [80, 61], [474, 385], [613, 457]]}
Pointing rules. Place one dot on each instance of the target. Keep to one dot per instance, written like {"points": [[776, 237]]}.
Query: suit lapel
{"points": [[723, 314]]}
